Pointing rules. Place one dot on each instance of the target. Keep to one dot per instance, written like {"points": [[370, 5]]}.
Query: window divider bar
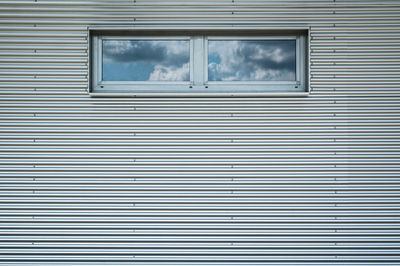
{"points": [[198, 60]]}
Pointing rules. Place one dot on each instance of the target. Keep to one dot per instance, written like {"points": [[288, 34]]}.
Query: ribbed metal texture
{"points": [[200, 181]]}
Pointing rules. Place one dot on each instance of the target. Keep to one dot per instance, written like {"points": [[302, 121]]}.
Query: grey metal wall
{"points": [[200, 181]]}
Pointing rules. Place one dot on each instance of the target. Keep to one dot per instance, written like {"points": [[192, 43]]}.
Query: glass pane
{"points": [[252, 60], [145, 60]]}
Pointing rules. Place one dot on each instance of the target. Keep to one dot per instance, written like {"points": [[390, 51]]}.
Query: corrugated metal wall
{"points": [[199, 181]]}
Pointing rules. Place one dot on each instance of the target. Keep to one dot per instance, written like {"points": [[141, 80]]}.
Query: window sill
{"points": [[205, 94]]}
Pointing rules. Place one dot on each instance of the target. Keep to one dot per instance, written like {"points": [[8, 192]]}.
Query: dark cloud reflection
{"points": [[258, 60], [142, 60]]}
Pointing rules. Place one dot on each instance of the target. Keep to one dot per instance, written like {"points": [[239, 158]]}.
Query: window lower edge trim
{"points": [[198, 94]]}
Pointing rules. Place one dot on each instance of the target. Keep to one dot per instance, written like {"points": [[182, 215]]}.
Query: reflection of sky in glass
{"points": [[258, 60], [143, 60]]}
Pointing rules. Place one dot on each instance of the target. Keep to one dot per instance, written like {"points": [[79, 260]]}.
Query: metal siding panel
{"points": [[201, 181]]}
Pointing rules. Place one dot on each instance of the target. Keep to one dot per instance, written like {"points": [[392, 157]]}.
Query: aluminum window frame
{"points": [[199, 84]]}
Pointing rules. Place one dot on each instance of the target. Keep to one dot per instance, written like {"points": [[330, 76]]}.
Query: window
{"points": [[226, 63]]}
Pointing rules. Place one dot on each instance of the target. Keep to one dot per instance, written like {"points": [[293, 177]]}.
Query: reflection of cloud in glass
{"points": [[252, 60], [143, 60]]}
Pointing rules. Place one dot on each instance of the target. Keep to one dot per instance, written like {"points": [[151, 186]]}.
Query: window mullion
{"points": [[198, 60]]}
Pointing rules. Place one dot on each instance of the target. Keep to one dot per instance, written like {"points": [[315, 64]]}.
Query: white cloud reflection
{"points": [[162, 72]]}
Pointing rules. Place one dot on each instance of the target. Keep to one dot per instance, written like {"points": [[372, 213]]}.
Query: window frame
{"points": [[198, 84]]}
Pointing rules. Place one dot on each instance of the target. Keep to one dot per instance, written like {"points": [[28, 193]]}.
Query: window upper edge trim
{"points": [[155, 27]]}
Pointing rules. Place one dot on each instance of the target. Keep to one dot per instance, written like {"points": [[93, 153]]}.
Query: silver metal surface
{"points": [[205, 180]]}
